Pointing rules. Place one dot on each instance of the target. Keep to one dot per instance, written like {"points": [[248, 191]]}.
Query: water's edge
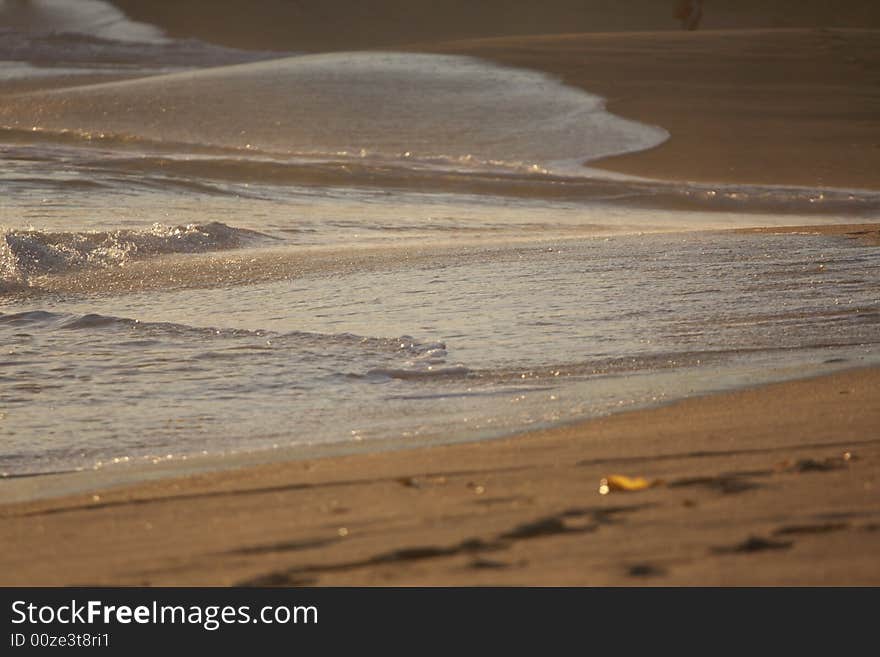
{"points": [[60, 485]]}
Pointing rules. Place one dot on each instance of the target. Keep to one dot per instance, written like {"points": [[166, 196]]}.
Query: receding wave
{"points": [[416, 361], [468, 175], [545, 376], [132, 162]]}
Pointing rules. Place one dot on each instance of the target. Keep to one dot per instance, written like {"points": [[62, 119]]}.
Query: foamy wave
{"points": [[392, 105], [26, 253]]}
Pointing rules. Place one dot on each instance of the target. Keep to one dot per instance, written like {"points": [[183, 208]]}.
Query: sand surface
{"points": [[321, 25], [776, 485], [789, 107]]}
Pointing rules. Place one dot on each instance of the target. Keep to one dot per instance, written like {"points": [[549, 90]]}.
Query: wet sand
{"points": [[769, 486], [321, 25], [785, 107]]}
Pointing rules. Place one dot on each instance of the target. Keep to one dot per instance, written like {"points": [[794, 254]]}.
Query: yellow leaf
{"points": [[615, 483]]}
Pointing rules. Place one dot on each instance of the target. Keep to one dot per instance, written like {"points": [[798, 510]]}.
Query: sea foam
{"points": [[25, 253], [416, 109]]}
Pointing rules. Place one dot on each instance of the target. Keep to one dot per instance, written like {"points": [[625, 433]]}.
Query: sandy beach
{"points": [[793, 107], [771, 485], [761, 94], [313, 25]]}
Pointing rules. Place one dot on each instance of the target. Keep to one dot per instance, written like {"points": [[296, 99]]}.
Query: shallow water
{"points": [[220, 254], [455, 344]]}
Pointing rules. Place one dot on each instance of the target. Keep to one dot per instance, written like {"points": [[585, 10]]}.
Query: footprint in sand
{"points": [[753, 544]]}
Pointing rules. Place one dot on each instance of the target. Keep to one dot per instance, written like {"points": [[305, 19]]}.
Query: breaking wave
{"points": [[27, 253]]}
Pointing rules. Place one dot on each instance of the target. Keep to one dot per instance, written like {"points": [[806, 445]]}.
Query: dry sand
{"points": [[775, 485]]}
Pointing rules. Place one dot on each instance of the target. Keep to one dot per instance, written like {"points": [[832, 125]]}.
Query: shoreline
{"points": [[520, 510], [761, 94], [131, 473], [792, 107], [771, 484], [127, 473], [765, 107]]}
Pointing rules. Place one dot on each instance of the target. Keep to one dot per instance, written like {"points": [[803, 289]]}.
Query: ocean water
{"points": [[207, 251]]}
